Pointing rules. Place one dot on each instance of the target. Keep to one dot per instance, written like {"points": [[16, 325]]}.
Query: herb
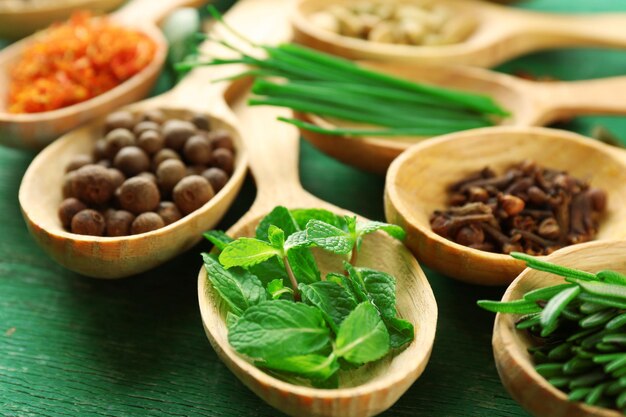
{"points": [[581, 330], [322, 84], [289, 320]]}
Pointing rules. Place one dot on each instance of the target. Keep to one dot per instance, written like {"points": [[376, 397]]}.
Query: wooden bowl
{"points": [[26, 17], [113, 257], [500, 33], [416, 186], [515, 365], [36, 130], [366, 391]]}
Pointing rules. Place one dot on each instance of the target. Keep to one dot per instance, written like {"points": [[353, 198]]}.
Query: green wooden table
{"points": [[75, 346]]}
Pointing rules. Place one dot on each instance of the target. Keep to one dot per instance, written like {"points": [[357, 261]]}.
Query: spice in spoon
{"points": [[74, 61], [528, 209], [580, 332]]}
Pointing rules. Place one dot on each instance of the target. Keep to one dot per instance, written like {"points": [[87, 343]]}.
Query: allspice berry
{"points": [[88, 222], [117, 178], [169, 212], [224, 160], [217, 178], [77, 162], [169, 173], [118, 222], [116, 140], [131, 160], [163, 155], [198, 150], [68, 208], [151, 141], [146, 222], [67, 189], [145, 126], [154, 115], [148, 175], [99, 149], [221, 139], [139, 195], [191, 193], [201, 121], [93, 184], [119, 119], [176, 132]]}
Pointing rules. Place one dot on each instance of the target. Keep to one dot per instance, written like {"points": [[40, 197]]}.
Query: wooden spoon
{"points": [[20, 18], [417, 182], [273, 150], [530, 103], [501, 33], [36, 130], [515, 365], [117, 257]]}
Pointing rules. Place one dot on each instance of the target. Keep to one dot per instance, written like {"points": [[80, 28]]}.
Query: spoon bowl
{"points": [[117, 257], [500, 33], [36, 130], [417, 181], [23, 18], [530, 103], [515, 365]]}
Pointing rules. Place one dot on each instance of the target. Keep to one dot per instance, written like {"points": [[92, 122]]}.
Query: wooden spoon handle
{"points": [[137, 12], [545, 31], [568, 99]]}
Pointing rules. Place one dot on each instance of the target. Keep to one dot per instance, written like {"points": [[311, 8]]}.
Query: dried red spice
{"points": [[74, 61]]}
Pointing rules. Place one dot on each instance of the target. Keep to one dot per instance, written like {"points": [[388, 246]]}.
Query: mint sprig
{"points": [[289, 320]]}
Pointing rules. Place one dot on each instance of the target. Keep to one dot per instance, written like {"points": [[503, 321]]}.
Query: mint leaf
{"points": [[391, 229], [355, 283], [231, 319], [334, 301], [276, 289], [329, 237], [400, 331], [269, 270], [311, 366], [303, 216], [351, 224], [247, 251], [362, 336], [279, 217], [279, 328], [336, 278], [218, 238], [276, 236], [303, 265], [237, 287], [297, 240], [380, 288]]}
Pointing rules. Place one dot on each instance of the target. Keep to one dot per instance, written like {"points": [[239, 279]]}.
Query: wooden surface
{"points": [[71, 345], [514, 363], [417, 183]]}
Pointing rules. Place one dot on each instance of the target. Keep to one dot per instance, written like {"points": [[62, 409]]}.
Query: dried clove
{"points": [[528, 209]]}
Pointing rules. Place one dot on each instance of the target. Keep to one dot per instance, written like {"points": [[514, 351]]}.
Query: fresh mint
{"points": [[362, 336], [247, 252], [332, 299], [289, 320], [239, 288], [279, 328]]}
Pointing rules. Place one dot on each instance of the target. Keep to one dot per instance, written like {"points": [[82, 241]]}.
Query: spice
{"points": [[527, 209], [420, 23], [74, 61], [302, 325], [131, 175], [578, 332]]}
